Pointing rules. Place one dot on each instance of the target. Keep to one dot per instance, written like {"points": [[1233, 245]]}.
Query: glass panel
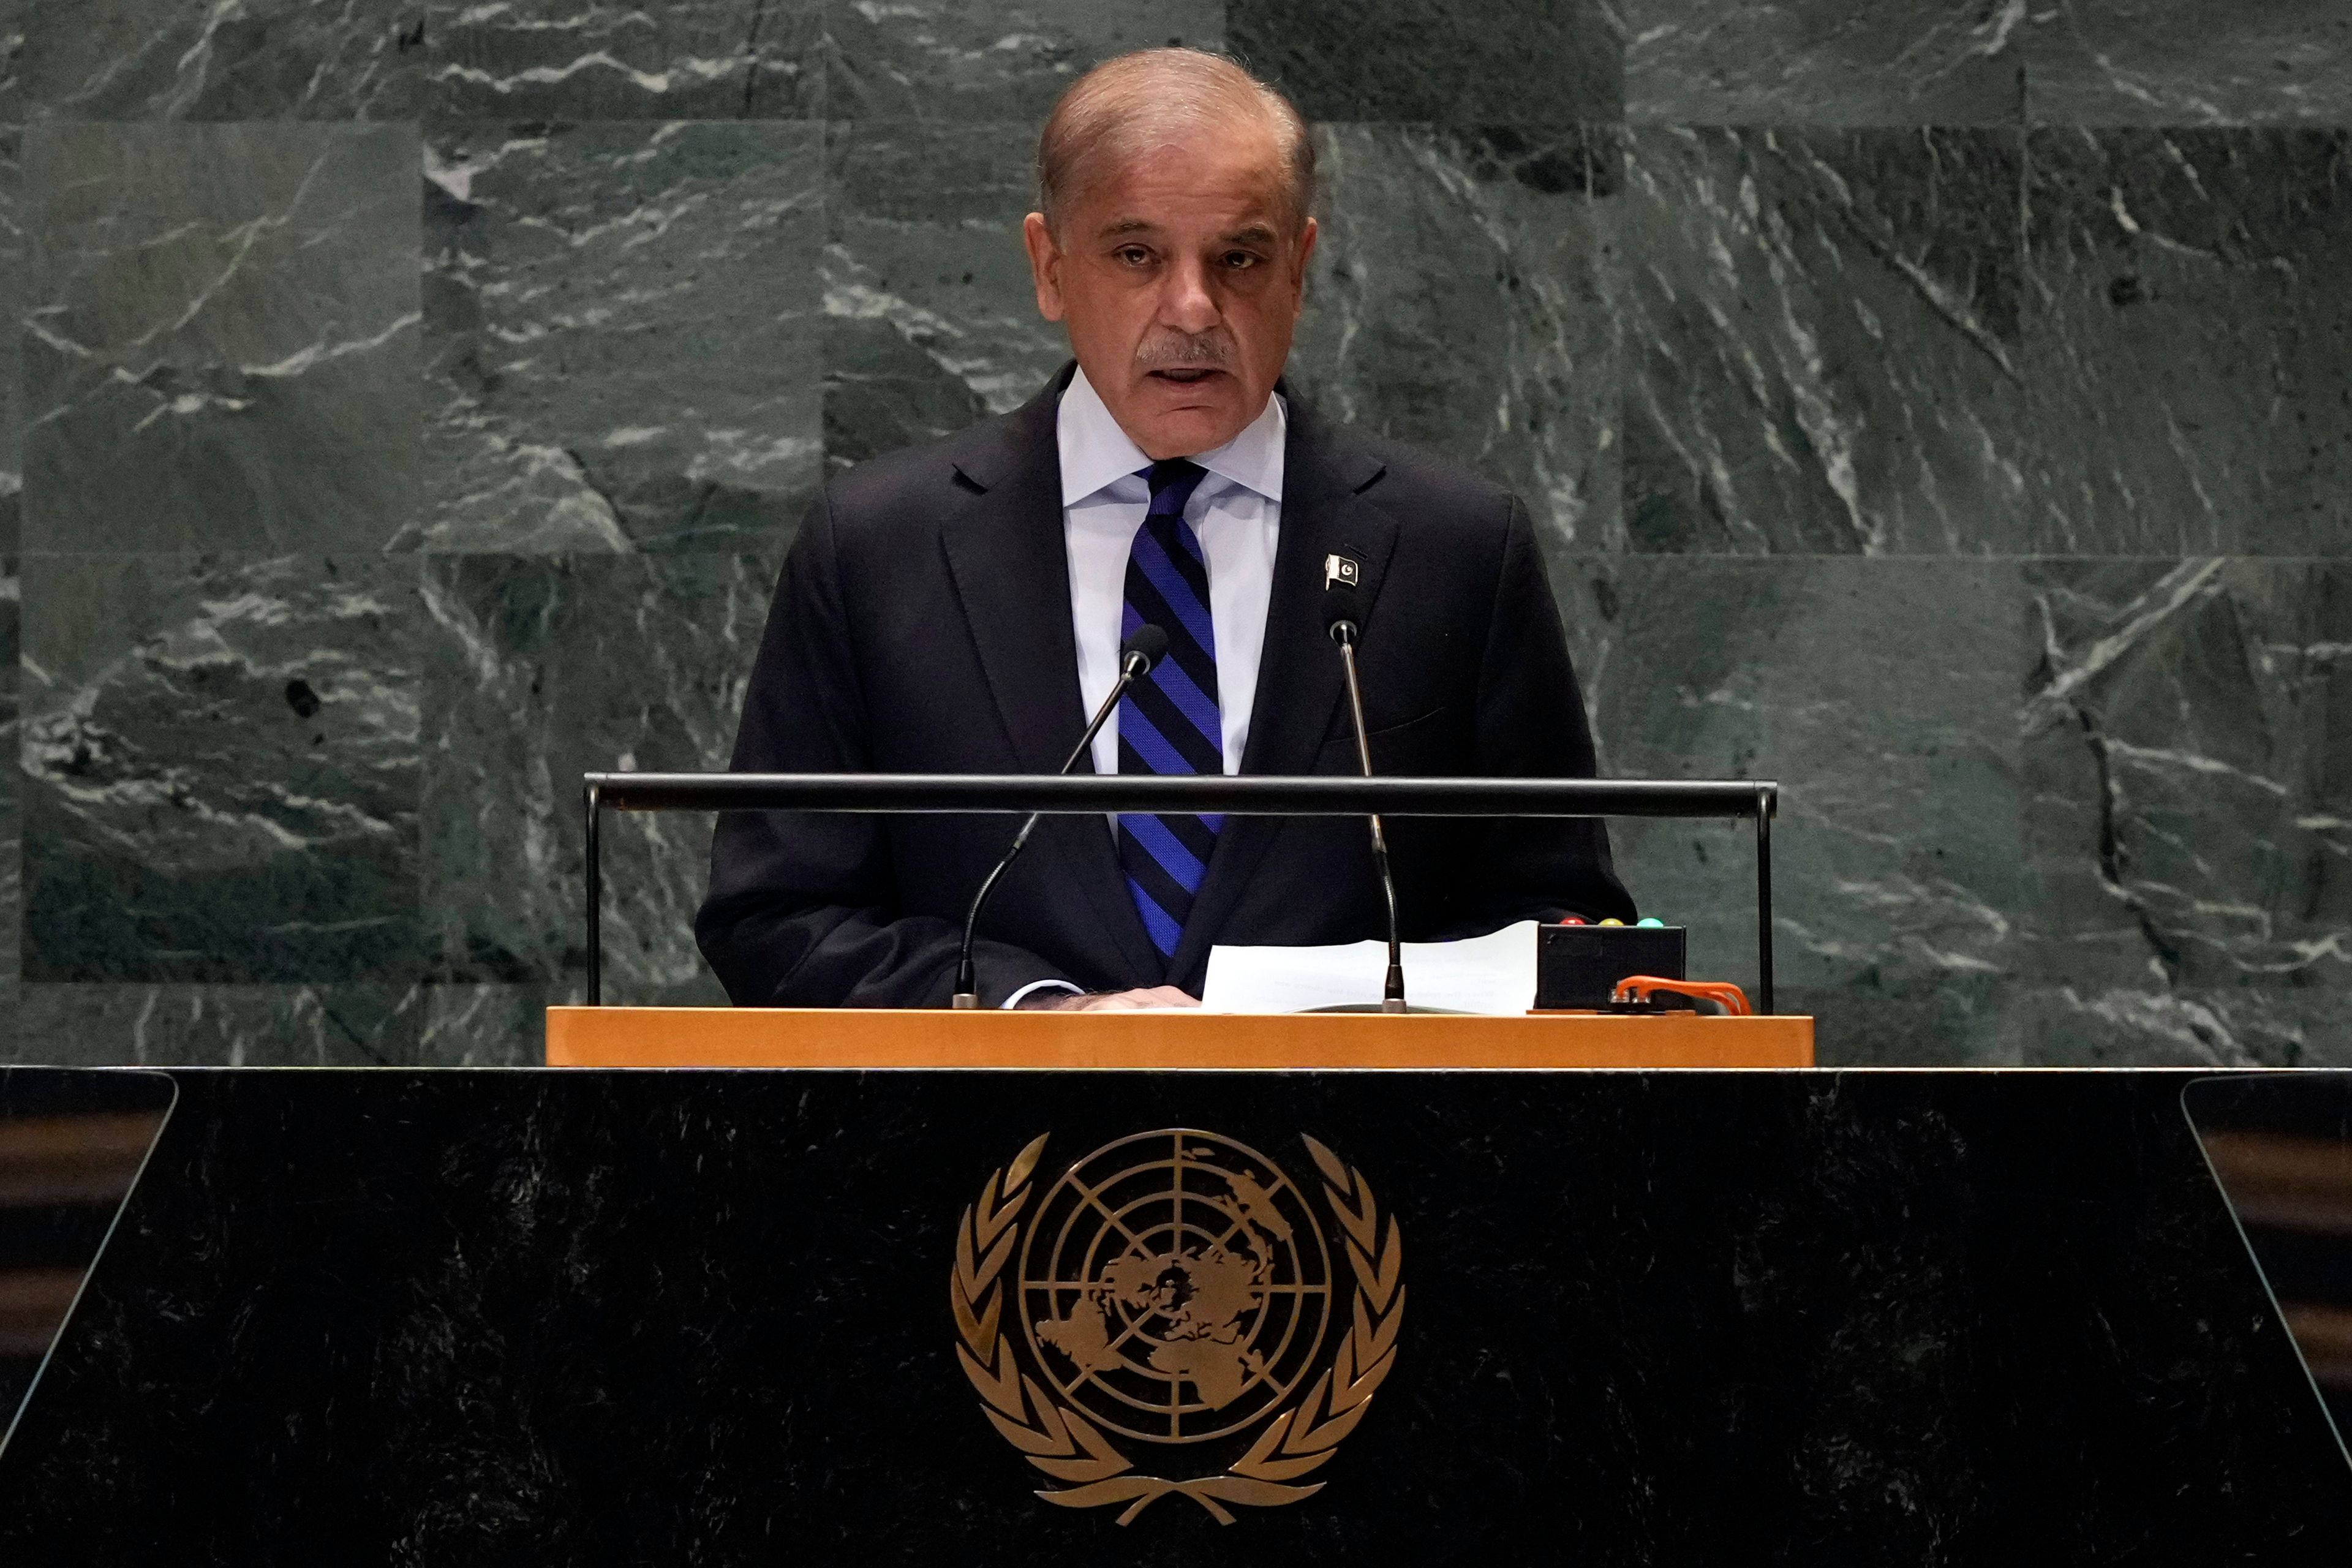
{"points": [[72, 1143], [2281, 1146]]}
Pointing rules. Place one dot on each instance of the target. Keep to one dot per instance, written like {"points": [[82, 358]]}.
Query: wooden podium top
{"points": [[859, 1038]]}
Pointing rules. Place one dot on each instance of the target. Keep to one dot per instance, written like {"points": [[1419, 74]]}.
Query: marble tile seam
{"points": [[241, 557], [1030, 122], [2028, 123], [796, 61], [751, 548], [1958, 557]]}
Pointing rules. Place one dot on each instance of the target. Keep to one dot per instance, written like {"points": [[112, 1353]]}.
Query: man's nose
{"points": [[1186, 302]]}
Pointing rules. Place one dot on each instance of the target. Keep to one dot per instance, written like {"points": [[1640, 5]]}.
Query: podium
{"points": [[563, 1317], [600, 1036], [1096, 1041]]}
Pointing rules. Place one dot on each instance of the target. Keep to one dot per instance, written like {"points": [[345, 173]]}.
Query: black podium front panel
{"points": [[813, 1318]]}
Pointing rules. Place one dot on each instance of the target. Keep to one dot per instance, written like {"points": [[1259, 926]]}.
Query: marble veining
{"points": [[542, 670], [943, 59], [11, 484], [1503, 62], [221, 769], [2187, 818], [1825, 62], [223, 60], [606, 311], [487, 1025], [344, 1025], [1869, 689], [12, 360], [1943, 406], [616, 59], [1825, 342], [2189, 360], [220, 348], [1987, 62], [930, 313], [102, 1024], [11, 67], [2183, 62], [1512, 366], [2138, 1025], [12, 891]]}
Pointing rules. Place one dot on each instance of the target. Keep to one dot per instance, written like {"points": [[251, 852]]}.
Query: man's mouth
{"points": [[1187, 375]]}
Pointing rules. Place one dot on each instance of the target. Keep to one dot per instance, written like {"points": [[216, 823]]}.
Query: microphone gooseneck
{"points": [[1136, 658], [1344, 632]]}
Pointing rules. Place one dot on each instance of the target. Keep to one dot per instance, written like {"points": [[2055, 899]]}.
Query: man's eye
{"points": [[1134, 255], [1237, 259]]}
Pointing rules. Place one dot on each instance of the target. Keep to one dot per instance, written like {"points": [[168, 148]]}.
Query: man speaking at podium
{"points": [[960, 607]]}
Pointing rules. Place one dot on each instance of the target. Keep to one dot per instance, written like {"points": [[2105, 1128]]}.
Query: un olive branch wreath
{"points": [[1064, 1443]]}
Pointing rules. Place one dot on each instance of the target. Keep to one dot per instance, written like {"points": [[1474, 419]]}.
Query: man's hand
{"points": [[1126, 1001]]}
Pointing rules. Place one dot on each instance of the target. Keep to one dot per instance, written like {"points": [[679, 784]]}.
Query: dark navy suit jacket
{"points": [[923, 624]]}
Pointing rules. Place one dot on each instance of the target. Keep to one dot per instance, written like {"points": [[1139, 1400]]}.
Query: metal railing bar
{"points": [[1255, 795], [1258, 795]]}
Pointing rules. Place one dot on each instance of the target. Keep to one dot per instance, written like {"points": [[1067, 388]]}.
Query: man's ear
{"points": [[1044, 265], [1307, 235]]}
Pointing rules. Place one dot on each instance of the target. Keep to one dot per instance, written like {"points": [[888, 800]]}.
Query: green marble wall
{"points": [[1944, 406]]}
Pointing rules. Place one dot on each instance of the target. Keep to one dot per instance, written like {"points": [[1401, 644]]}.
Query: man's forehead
{"points": [[1240, 167], [1175, 187]]}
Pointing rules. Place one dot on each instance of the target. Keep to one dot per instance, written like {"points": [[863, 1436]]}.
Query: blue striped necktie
{"points": [[1169, 722]]}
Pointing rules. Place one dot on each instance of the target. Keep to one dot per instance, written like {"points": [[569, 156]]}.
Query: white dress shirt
{"points": [[1235, 513]]}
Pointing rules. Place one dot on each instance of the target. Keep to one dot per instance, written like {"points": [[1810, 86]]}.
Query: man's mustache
{"points": [[1182, 349]]}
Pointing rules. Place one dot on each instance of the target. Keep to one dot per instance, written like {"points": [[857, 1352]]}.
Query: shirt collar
{"points": [[1096, 453]]}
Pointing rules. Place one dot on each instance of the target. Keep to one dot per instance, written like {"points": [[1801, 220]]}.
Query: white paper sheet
{"points": [[1492, 973]]}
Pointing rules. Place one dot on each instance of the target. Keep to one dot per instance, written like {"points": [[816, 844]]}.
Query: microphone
{"points": [[1344, 632], [1136, 658]]}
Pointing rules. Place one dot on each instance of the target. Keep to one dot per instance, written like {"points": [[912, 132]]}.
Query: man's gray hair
{"points": [[1128, 105]]}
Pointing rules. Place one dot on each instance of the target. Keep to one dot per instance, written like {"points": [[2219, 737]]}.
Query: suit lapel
{"points": [[1010, 563], [1011, 573], [1300, 682]]}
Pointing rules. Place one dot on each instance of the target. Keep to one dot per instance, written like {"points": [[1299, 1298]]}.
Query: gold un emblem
{"points": [[1174, 1298]]}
